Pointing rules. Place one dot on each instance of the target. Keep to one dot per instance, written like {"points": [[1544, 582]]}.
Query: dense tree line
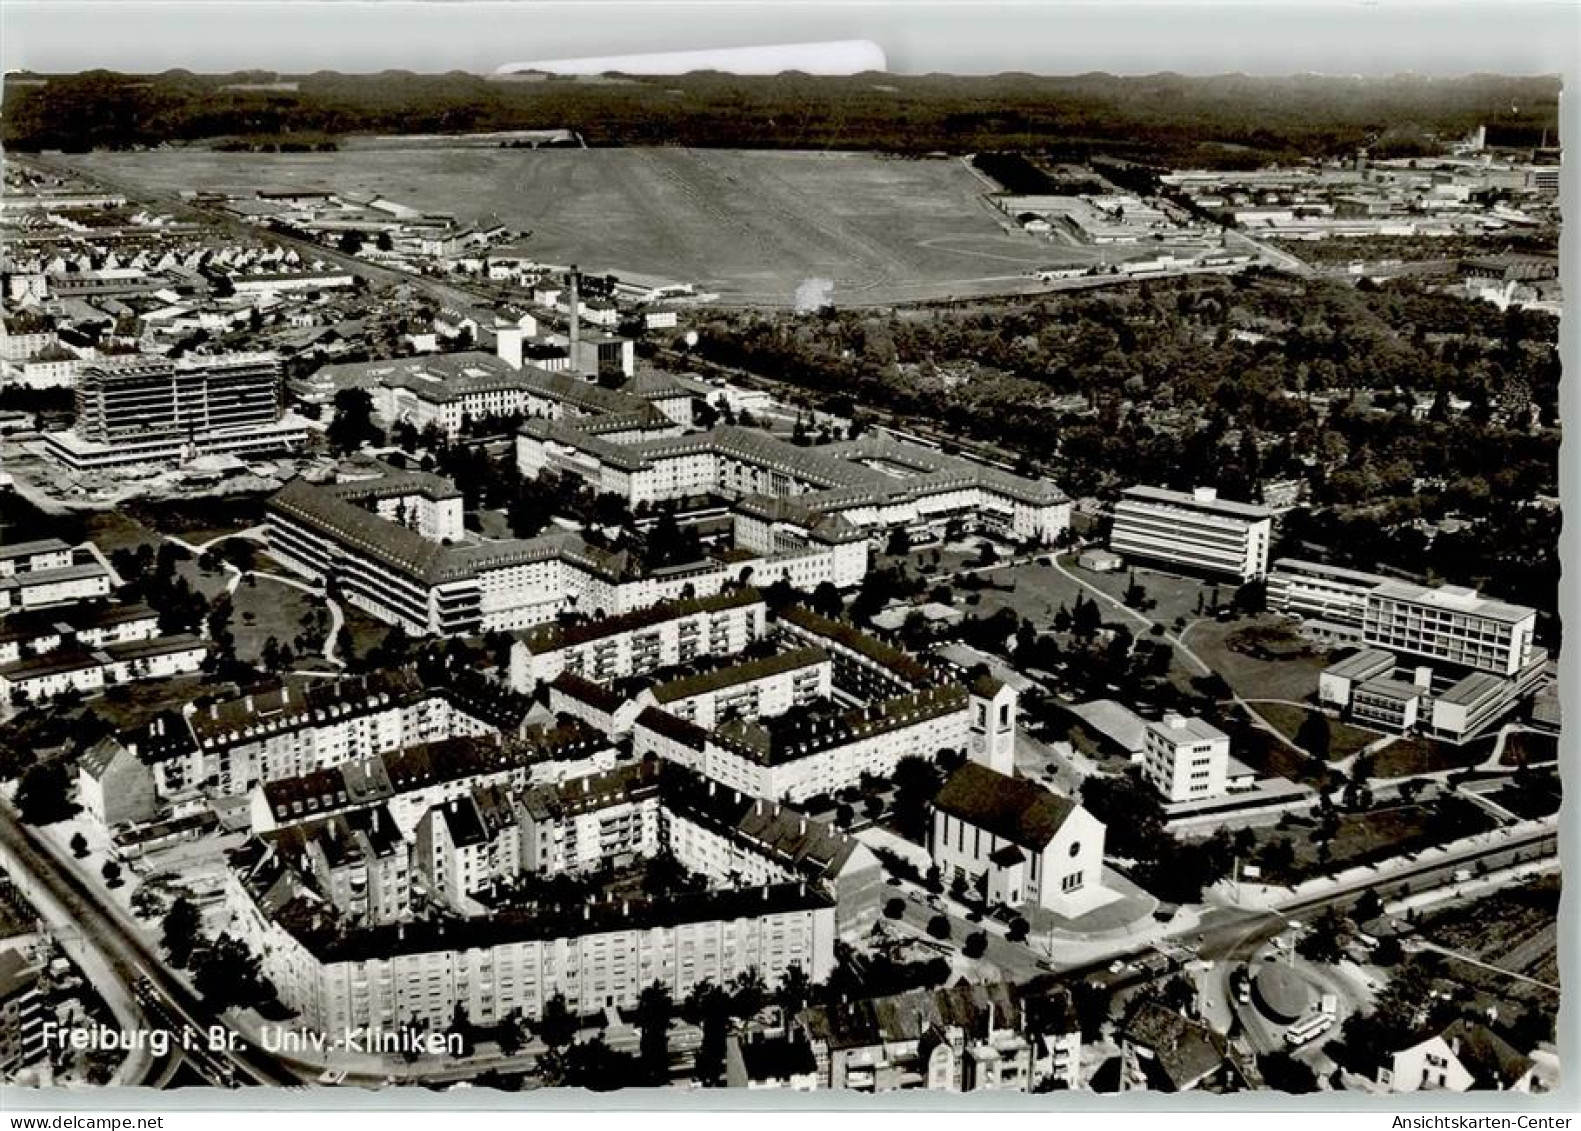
{"points": [[1230, 120], [1231, 383]]}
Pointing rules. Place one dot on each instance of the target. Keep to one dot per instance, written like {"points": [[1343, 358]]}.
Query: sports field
{"points": [[749, 225]]}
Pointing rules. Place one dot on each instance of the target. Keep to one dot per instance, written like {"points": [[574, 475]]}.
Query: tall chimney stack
{"points": [[576, 320]]}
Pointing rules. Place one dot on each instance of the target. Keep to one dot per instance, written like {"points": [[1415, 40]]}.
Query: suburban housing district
{"points": [[453, 666]]}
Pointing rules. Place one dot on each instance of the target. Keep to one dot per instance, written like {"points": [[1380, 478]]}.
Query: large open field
{"points": [[751, 225]]}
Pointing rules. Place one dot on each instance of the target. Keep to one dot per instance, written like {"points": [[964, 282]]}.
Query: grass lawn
{"points": [[114, 530], [1293, 677], [752, 224], [1176, 596], [276, 610], [1412, 755], [1529, 747], [199, 520], [128, 705], [1374, 835], [1038, 593], [366, 632], [1266, 754], [1344, 739]]}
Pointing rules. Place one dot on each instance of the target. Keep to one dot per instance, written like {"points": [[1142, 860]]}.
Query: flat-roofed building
{"points": [[1393, 704], [1186, 759], [1331, 601], [1336, 681], [1452, 624], [159, 410], [1194, 531]]}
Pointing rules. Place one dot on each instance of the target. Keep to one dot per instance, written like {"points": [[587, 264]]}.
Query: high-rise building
{"points": [[1196, 531], [1450, 623], [158, 410]]}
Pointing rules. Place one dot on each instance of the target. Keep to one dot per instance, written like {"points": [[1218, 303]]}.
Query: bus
{"points": [[1308, 1029]]}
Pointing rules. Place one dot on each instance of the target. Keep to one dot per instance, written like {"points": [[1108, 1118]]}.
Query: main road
{"points": [[139, 972], [1228, 933]]}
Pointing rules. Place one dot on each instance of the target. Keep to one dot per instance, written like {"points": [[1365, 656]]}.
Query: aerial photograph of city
{"points": [[958, 583]]}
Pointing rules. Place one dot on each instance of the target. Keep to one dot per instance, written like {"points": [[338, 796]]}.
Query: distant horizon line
{"points": [[503, 75]]}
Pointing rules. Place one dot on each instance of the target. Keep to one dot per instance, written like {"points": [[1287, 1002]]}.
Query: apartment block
{"points": [[233, 744], [644, 640], [605, 953]]}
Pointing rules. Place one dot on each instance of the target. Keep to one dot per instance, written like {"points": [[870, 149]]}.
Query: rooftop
{"points": [[718, 679], [551, 637], [1184, 1052], [1453, 598], [1186, 728], [1185, 500], [1365, 664], [1013, 809]]}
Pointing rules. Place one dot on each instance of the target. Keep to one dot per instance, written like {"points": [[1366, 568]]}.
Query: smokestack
{"points": [[576, 319]]}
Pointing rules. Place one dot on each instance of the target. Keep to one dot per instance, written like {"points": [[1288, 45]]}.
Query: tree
{"points": [[1368, 907], [708, 1006], [463, 1030], [1313, 735], [42, 795], [352, 426], [1325, 940], [599, 1068], [350, 242], [976, 945], [939, 927], [1284, 1073], [1085, 618], [111, 873], [228, 974], [511, 1033], [558, 1026], [748, 994], [79, 845], [894, 908], [179, 931], [655, 1012], [794, 989], [826, 600]]}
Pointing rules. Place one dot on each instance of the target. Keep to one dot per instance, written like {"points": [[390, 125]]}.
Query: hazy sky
{"points": [[1049, 37]]}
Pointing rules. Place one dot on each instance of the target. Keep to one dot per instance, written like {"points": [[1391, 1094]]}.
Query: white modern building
{"points": [[1450, 624], [1330, 601], [1186, 759], [1198, 532]]}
